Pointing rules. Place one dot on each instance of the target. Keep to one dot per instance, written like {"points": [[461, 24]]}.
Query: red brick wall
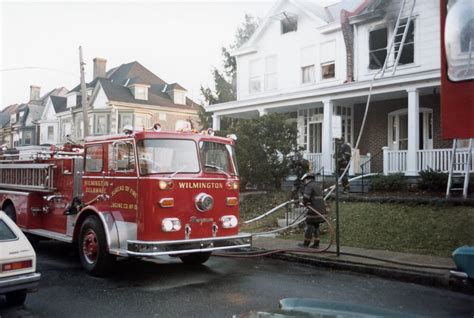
{"points": [[375, 132]]}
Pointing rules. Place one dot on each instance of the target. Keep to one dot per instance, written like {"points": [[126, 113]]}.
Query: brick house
{"points": [[316, 62], [125, 95]]}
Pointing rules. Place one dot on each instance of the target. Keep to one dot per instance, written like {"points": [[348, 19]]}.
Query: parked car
{"points": [[17, 263]]}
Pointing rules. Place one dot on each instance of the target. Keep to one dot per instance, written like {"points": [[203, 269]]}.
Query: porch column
{"points": [[413, 131], [326, 142], [385, 160], [216, 122]]}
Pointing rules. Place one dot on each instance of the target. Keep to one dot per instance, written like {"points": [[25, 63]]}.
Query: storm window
{"points": [[271, 76], [328, 59], [377, 48], [408, 52], [289, 23], [308, 60], [255, 78]]}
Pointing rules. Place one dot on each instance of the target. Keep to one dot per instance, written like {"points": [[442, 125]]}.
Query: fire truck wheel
{"points": [[10, 211], [93, 253], [195, 258]]}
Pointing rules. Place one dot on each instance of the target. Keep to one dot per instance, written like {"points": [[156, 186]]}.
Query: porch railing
{"points": [[316, 159], [435, 159]]}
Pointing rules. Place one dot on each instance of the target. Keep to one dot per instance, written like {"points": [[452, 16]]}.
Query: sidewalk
{"points": [[421, 275]]}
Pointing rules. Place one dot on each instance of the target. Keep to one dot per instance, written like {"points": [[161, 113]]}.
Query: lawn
{"points": [[419, 229]]}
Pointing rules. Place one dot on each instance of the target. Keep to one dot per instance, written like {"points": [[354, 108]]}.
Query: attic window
{"points": [[140, 91], [289, 23], [13, 118]]}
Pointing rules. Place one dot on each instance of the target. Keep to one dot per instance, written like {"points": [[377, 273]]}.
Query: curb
{"points": [[400, 274]]}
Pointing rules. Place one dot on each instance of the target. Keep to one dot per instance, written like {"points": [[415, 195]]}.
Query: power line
{"points": [[36, 68]]}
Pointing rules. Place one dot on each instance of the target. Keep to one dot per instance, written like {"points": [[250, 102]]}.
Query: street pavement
{"points": [[222, 287]]}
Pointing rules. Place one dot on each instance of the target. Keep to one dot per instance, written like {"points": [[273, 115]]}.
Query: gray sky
{"points": [[179, 41]]}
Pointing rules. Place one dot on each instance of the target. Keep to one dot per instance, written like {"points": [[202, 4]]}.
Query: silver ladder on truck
{"points": [[27, 176], [459, 168]]}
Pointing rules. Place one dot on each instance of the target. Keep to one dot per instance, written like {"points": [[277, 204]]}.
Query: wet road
{"points": [[220, 288]]}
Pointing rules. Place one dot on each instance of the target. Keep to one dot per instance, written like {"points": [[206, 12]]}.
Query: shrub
{"points": [[392, 182], [433, 181]]}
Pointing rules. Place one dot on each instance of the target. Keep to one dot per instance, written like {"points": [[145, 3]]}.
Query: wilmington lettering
{"points": [[200, 185]]}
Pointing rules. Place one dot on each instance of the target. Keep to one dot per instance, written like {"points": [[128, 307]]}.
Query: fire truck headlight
{"points": [[165, 184], [171, 225], [229, 221], [232, 185]]}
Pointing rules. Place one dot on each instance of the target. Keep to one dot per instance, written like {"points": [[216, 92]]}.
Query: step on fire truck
{"points": [[142, 194]]}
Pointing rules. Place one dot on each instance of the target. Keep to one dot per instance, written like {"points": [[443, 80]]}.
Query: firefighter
{"points": [[343, 158], [313, 197], [300, 166]]}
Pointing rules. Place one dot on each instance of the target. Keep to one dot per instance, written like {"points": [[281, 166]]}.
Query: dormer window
{"points": [[288, 23], [71, 100], [12, 118], [140, 91]]}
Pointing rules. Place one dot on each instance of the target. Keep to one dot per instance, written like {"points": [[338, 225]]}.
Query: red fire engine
{"points": [[138, 194]]}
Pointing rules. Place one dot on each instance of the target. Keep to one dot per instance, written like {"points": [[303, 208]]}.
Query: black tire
{"points": [[92, 245], [195, 258], [16, 298], [10, 211]]}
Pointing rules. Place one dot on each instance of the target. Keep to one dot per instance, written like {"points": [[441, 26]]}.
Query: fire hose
{"points": [[299, 220]]}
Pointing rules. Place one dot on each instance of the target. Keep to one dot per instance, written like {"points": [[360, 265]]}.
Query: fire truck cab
{"points": [[138, 194]]}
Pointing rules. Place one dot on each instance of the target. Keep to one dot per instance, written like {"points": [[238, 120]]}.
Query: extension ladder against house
{"points": [[459, 167], [402, 27]]}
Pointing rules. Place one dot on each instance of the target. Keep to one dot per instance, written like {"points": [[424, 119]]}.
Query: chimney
{"points": [[35, 92], [99, 67]]}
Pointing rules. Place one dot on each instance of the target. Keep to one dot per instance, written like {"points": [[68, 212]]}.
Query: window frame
{"points": [[289, 27], [267, 74], [113, 166], [375, 29], [86, 159], [257, 77]]}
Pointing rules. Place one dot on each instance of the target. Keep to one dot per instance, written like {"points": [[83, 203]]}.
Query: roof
{"points": [[6, 113], [59, 103], [118, 79], [174, 86]]}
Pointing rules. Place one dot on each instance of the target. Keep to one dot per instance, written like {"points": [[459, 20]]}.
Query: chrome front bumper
{"points": [[159, 248], [25, 281]]}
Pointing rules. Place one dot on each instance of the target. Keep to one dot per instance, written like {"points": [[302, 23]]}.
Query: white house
{"points": [[49, 122], [316, 61]]}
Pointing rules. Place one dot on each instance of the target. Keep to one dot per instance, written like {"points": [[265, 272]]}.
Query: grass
{"points": [[418, 229]]}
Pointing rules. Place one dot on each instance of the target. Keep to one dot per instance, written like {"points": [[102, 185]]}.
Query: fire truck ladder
{"points": [[27, 176], [462, 162], [402, 26]]}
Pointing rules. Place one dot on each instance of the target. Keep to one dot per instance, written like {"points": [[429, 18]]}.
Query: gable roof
{"points": [[59, 103], [118, 79]]}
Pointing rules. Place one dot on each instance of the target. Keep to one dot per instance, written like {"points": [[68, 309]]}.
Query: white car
{"points": [[17, 263]]}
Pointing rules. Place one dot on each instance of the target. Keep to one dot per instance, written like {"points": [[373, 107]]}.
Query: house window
{"points": [[255, 83], [327, 58], [289, 23], [28, 136], [142, 122], [307, 74], [377, 48], [50, 133], [271, 77], [12, 118], [141, 93], [408, 52], [125, 120], [66, 128], [308, 60], [101, 124]]}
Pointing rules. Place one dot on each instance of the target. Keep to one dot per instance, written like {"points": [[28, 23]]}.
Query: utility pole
{"points": [[85, 117]]}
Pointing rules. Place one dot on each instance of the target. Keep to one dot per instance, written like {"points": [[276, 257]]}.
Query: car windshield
{"points": [[6, 234], [218, 158], [167, 156]]}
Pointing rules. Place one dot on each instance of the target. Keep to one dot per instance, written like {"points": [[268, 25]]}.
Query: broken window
{"points": [[289, 23], [377, 48], [408, 52]]}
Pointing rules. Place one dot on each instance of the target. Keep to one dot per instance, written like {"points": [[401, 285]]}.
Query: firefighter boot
{"points": [[315, 244], [305, 244]]}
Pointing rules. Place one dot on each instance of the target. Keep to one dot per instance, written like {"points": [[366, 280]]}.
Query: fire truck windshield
{"points": [[218, 158], [167, 156]]}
